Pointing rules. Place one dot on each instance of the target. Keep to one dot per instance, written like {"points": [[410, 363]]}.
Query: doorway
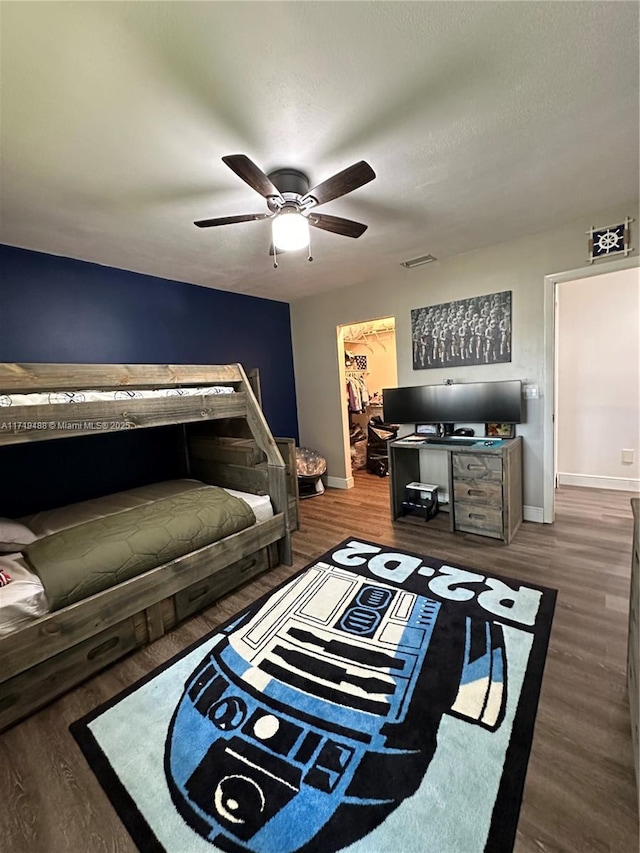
{"points": [[597, 378], [368, 365], [571, 336]]}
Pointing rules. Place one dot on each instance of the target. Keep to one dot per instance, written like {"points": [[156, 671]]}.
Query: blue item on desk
{"points": [[459, 441], [419, 441]]}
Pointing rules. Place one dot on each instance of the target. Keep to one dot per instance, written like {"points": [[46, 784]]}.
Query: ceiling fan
{"points": [[292, 204]]}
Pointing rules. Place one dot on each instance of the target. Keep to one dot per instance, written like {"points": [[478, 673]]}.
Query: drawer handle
{"points": [[249, 566], [471, 467], [51, 629], [103, 648], [476, 515], [477, 492], [195, 594]]}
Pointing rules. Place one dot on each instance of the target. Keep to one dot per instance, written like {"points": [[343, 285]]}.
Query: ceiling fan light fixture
{"points": [[290, 231], [418, 262], [290, 203]]}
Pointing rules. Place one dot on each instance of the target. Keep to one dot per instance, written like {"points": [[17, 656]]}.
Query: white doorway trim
{"points": [[339, 482], [548, 431], [344, 329]]}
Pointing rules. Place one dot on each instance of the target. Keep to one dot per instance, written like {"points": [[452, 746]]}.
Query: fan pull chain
{"points": [[275, 254]]}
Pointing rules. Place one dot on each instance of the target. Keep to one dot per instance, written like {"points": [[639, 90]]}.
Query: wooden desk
{"points": [[485, 483]]}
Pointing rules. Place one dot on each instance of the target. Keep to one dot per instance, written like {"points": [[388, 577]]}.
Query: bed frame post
{"points": [[276, 467]]}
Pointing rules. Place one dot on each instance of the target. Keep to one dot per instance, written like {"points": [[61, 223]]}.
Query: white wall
{"points": [[517, 265], [598, 358]]}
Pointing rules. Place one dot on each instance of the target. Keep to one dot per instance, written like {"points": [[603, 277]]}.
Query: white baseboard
{"points": [[592, 481], [532, 513], [340, 482]]}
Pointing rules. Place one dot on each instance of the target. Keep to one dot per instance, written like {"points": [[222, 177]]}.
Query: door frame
{"points": [[548, 393], [349, 481]]}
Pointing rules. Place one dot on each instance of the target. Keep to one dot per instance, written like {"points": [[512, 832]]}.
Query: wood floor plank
{"points": [[580, 794]]}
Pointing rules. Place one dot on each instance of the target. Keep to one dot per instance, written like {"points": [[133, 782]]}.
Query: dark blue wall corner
{"points": [[56, 309]]}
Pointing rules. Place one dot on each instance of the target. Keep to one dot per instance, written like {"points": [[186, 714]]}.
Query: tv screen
{"points": [[471, 402]]}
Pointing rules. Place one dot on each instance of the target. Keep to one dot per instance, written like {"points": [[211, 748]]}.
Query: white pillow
{"points": [[23, 599], [14, 536]]}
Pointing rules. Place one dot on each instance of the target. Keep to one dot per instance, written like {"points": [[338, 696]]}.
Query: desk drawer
{"points": [[473, 466], [483, 492], [483, 520]]}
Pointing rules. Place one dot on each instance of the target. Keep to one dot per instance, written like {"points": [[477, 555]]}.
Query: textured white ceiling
{"points": [[484, 121]]}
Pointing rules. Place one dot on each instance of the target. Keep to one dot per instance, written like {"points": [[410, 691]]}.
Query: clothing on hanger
{"points": [[357, 392]]}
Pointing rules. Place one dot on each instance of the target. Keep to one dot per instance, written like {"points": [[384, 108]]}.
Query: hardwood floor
{"points": [[580, 791]]}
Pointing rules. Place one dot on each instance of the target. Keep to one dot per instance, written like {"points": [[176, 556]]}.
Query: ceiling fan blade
{"points": [[344, 182], [251, 174], [230, 220], [336, 224]]}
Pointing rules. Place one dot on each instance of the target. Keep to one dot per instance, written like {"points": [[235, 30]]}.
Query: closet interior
{"points": [[370, 366]]}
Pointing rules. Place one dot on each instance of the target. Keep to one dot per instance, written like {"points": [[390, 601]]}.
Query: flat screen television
{"points": [[469, 402]]}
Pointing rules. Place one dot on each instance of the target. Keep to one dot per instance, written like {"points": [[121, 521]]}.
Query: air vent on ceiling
{"points": [[417, 262]]}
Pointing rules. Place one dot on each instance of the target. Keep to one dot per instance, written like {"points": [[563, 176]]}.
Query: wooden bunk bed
{"points": [[225, 441]]}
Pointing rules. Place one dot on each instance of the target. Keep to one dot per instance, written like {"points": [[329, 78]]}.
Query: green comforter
{"points": [[85, 559]]}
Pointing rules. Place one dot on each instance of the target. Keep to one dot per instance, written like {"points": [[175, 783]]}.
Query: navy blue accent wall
{"points": [[42, 475], [56, 309]]}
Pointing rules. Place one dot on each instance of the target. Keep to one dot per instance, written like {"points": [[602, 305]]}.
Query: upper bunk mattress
{"points": [[89, 396]]}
